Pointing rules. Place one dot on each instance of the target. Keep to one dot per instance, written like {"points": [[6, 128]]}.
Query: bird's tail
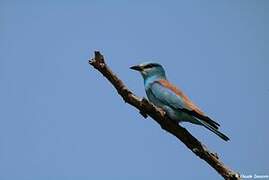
{"points": [[214, 130]]}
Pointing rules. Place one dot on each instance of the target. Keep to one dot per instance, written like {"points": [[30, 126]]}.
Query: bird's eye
{"points": [[148, 66]]}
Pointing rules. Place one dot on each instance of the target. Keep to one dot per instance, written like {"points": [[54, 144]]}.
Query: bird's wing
{"points": [[172, 96]]}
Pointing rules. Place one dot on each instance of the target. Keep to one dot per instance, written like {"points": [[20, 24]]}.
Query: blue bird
{"points": [[172, 100]]}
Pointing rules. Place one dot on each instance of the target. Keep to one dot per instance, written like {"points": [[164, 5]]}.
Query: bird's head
{"points": [[149, 70]]}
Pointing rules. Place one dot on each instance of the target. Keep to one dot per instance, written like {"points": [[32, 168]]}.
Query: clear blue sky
{"points": [[60, 119]]}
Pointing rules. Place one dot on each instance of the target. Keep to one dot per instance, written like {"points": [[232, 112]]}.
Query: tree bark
{"points": [[148, 109]]}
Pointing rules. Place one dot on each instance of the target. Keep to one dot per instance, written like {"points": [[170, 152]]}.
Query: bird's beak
{"points": [[136, 67]]}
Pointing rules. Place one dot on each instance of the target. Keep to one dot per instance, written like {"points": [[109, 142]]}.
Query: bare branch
{"points": [[148, 109]]}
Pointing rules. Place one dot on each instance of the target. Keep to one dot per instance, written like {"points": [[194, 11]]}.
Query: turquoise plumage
{"points": [[172, 100]]}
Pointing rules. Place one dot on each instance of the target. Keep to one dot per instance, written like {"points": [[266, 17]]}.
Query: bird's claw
{"points": [[143, 114]]}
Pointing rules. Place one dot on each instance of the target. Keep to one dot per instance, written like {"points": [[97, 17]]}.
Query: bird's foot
{"points": [[145, 115]]}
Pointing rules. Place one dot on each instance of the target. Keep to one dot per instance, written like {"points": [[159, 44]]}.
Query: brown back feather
{"points": [[193, 109]]}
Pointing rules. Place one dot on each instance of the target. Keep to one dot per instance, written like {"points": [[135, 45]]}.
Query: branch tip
{"points": [[99, 57]]}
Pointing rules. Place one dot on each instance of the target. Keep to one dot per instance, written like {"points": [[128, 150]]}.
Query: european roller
{"points": [[172, 100]]}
